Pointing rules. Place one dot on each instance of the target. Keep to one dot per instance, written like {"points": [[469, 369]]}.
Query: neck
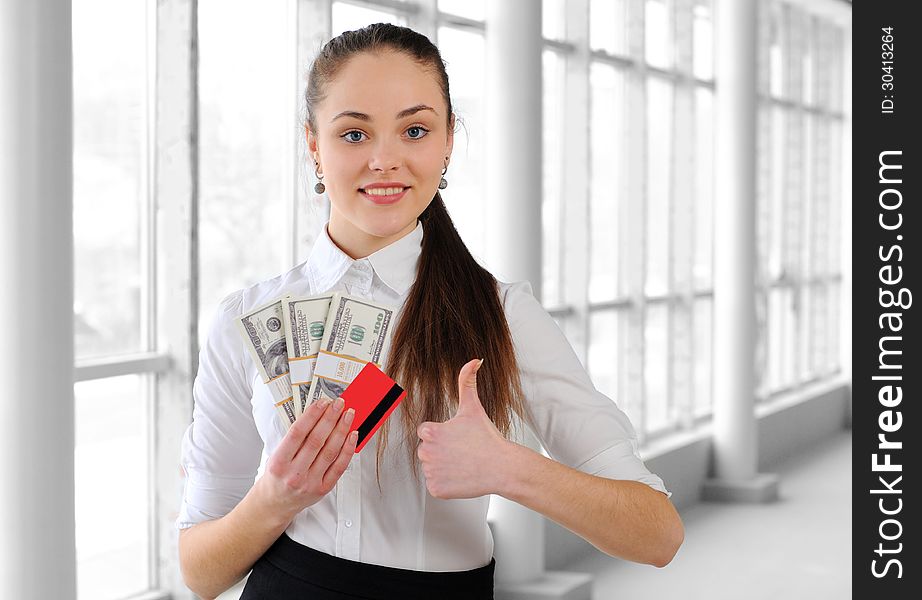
{"points": [[357, 243]]}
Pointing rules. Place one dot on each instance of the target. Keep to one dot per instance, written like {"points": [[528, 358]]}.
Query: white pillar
{"points": [[513, 233], [37, 543], [735, 435], [513, 219], [513, 140]]}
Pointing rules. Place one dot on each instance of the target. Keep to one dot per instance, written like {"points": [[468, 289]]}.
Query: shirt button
{"points": [[348, 522]]}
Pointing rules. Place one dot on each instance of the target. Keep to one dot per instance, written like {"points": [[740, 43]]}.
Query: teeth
{"points": [[383, 191]]}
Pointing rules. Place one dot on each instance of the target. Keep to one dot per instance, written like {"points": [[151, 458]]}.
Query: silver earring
{"points": [[319, 187], [443, 183]]}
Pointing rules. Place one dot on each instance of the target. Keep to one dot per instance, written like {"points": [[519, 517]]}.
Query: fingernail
{"points": [[349, 414], [477, 368], [337, 406]]}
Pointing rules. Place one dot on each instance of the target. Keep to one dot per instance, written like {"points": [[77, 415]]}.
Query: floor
{"points": [[798, 547]]}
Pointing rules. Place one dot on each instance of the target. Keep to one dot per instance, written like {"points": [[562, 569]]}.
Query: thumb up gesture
{"points": [[464, 456]]}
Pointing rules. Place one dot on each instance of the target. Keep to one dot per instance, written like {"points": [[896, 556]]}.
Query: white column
{"points": [[37, 543], [513, 233], [513, 219], [513, 140], [735, 435]]}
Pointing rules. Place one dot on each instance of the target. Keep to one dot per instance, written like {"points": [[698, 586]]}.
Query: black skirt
{"points": [[292, 570]]}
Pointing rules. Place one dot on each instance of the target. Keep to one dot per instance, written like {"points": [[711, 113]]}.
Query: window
{"points": [[347, 17], [800, 198], [463, 51], [114, 310], [112, 503], [651, 145], [245, 130]]}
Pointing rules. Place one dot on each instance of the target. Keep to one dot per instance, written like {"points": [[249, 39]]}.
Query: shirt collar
{"points": [[395, 264]]}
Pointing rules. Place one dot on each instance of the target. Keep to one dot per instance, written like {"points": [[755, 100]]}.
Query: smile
{"points": [[384, 195]]}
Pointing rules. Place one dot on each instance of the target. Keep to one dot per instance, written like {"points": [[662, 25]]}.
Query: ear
{"points": [[451, 137], [311, 141]]}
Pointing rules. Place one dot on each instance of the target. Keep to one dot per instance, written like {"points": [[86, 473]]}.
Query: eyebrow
{"points": [[404, 113]]}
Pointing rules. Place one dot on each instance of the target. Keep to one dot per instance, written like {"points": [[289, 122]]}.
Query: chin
{"points": [[382, 225]]}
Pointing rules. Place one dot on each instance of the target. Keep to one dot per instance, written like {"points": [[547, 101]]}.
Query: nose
{"points": [[386, 155]]}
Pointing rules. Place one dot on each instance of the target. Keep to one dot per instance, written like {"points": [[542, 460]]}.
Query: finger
{"points": [[337, 469], [467, 377], [317, 437], [468, 400], [424, 430], [334, 444], [289, 445]]}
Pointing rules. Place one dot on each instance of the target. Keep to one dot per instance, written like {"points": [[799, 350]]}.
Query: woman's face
{"points": [[382, 121]]}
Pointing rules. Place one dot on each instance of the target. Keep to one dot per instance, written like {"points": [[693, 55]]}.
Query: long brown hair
{"points": [[453, 312]]}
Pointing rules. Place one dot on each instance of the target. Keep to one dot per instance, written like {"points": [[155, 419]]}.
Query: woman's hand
{"points": [[464, 456], [310, 459]]}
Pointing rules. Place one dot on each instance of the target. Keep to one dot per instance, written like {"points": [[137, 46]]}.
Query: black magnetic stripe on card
{"points": [[380, 410]]}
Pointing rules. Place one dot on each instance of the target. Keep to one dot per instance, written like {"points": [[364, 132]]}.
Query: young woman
{"points": [[324, 522]]}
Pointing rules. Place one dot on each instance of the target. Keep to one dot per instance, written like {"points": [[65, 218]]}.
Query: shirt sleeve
{"points": [[221, 448], [578, 425]]}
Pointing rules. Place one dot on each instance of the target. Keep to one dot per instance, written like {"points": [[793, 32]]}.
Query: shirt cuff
{"points": [[621, 461], [207, 497]]}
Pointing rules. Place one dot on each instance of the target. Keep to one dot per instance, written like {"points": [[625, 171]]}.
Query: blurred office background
{"points": [[190, 181]]}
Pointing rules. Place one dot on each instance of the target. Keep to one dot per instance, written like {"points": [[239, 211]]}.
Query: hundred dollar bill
{"points": [[356, 332], [263, 332], [304, 320]]}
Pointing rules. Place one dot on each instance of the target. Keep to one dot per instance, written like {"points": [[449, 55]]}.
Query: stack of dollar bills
{"points": [[311, 348]]}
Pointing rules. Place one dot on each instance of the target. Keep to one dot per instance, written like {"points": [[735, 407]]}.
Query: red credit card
{"points": [[374, 396]]}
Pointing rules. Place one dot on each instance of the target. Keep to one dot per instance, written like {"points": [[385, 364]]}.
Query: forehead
{"points": [[381, 85]]}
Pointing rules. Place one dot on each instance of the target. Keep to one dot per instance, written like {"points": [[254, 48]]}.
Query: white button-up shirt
{"points": [[235, 425]]}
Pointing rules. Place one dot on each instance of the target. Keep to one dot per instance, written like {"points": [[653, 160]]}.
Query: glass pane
{"points": [[776, 326], [112, 519], [602, 355], [659, 160], [702, 268], [818, 309], [775, 62], [554, 19], [839, 171], [608, 26], [658, 33], [348, 17], [777, 185], [110, 176], [806, 333], [808, 60], [656, 375], [790, 340], [606, 149], [245, 132], [472, 9], [465, 56], [835, 60], [833, 361], [703, 355], [703, 40], [554, 121]]}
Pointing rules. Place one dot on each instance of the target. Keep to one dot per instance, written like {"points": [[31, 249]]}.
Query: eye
{"points": [[418, 128], [352, 140]]}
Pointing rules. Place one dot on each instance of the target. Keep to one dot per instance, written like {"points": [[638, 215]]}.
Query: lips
{"points": [[385, 199]]}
